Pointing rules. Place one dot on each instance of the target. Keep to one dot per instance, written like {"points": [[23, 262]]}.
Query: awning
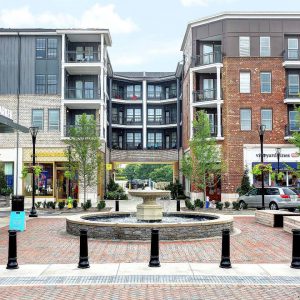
{"points": [[282, 165], [7, 125]]}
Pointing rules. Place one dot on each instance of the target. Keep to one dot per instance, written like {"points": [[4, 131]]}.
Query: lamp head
{"points": [[278, 151], [33, 131], [261, 129]]}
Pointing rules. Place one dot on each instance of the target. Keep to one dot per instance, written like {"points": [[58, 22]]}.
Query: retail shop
{"points": [[288, 162]]}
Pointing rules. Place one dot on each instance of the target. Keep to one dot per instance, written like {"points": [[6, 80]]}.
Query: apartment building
{"points": [[145, 117], [243, 70], [48, 79]]}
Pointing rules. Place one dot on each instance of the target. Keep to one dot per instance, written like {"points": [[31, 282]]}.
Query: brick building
{"points": [[243, 70]]}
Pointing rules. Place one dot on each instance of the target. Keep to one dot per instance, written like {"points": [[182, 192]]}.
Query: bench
{"points": [[272, 218], [290, 223]]}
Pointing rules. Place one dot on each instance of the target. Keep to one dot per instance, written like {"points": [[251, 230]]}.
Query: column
{"points": [[219, 129], [144, 114], [101, 120], [191, 104], [63, 51], [102, 68], [218, 83], [62, 119]]}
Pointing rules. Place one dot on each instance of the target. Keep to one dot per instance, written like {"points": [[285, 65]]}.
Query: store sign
{"points": [[5, 112]]}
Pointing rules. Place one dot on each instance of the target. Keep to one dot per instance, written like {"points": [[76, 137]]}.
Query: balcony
{"points": [[82, 56], [292, 95], [82, 94], [126, 121], [292, 58], [162, 96], [208, 58], [116, 95], [205, 95], [290, 129], [68, 128], [172, 121]]}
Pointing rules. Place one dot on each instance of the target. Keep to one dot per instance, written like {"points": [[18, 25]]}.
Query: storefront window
{"points": [[7, 169]]}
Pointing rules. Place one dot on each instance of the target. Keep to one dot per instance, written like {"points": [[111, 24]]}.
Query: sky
{"points": [[146, 34]]}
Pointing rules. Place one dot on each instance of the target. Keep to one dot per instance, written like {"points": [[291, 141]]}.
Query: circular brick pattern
{"points": [[136, 231]]}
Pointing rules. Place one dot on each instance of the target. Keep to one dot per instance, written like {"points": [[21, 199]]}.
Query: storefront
{"points": [[51, 184], [288, 163]]}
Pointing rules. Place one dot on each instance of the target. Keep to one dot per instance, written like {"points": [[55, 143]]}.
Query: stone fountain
{"points": [[149, 210]]}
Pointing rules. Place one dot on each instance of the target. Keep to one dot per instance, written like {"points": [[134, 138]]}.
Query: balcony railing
{"points": [[69, 128], [166, 121], [124, 96], [292, 54], [205, 95], [138, 146], [79, 94], [292, 92], [82, 56], [292, 128], [126, 121], [208, 58], [161, 96]]}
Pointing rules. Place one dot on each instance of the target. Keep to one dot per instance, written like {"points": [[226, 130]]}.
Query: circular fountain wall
{"points": [[179, 226]]}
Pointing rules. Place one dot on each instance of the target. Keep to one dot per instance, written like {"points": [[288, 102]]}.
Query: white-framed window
{"points": [[294, 120], [266, 118], [211, 120], [293, 48], [265, 82], [38, 118], [245, 119], [244, 82], [53, 119], [244, 45], [293, 84], [265, 46]]}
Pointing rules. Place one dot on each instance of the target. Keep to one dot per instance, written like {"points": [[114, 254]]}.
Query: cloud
{"points": [[189, 3], [96, 16]]}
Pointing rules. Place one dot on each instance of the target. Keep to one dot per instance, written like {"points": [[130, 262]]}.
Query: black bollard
{"points": [[178, 205], [225, 258], [12, 250], [154, 255], [117, 205], [83, 255], [296, 249]]}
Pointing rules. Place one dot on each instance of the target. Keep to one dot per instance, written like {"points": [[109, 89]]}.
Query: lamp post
{"points": [[278, 151], [261, 131], [69, 183], [33, 131]]}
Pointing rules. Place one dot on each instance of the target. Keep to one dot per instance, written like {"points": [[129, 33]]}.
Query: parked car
{"points": [[135, 184], [275, 198]]}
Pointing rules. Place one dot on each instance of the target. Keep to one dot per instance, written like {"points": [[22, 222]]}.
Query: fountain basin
{"points": [[142, 230]]}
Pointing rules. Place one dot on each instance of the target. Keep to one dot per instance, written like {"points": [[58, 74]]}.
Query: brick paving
{"points": [[46, 241], [149, 292]]}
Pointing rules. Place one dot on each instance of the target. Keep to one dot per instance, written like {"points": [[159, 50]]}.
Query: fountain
{"points": [[127, 226]]}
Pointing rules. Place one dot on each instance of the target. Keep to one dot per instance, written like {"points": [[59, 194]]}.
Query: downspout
{"points": [[18, 112]]}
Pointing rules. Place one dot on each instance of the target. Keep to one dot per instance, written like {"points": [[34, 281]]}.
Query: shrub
{"points": [[88, 203], [235, 205], [219, 205], [50, 204], [227, 204], [85, 206], [61, 204], [114, 191], [199, 203], [245, 186], [123, 196], [181, 197], [101, 204], [176, 190], [245, 206], [44, 204], [38, 204], [189, 204], [75, 203]]}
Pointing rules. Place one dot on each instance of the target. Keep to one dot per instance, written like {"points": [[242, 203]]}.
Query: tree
{"points": [[245, 184], [205, 157], [164, 173], [84, 156]]}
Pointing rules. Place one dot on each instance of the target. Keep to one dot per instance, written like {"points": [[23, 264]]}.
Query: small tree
{"points": [[205, 156], [84, 156], [245, 186]]}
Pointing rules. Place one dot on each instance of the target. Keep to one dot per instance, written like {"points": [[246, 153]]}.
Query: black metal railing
{"points": [[166, 121], [82, 56], [208, 58], [82, 94], [292, 92], [291, 128], [205, 95], [69, 128], [126, 121], [161, 96], [124, 96], [292, 54], [138, 146]]}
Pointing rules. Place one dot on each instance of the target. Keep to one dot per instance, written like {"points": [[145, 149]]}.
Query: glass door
{"points": [[167, 142], [208, 54], [208, 88], [78, 89], [89, 90]]}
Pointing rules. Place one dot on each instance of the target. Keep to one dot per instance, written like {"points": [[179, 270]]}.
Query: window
{"points": [[244, 82], [211, 120], [133, 115], [266, 118], [38, 118], [134, 140], [154, 140], [40, 84], [53, 119], [245, 119], [265, 82], [155, 115], [52, 49], [265, 49], [89, 90], [294, 120], [46, 48], [154, 91], [244, 46], [134, 91], [293, 49], [52, 84], [40, 48], [293, 82], [174, 140]]}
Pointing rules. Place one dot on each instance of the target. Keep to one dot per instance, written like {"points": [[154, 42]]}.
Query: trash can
{"points": [[17, 203]]}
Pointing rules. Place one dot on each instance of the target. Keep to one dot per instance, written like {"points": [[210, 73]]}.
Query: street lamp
{"points": [[33, 131], [278, 151], [261, 131]]}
